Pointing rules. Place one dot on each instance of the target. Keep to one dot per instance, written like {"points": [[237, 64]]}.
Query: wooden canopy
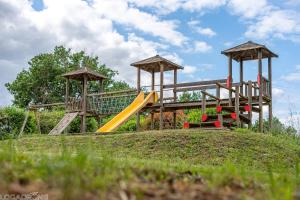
{"points": [[248, 51], [80, 73], [153, 64]]}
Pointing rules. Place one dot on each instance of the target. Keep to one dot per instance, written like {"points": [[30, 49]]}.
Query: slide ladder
{"points": [[139, 103], [64, 123]]}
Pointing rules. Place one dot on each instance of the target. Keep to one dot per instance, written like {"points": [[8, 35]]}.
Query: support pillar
{"points": [[152, 88], [270, 91], [242, 83], [230, 78], [260, 91], [250, 103], [84, 104], [175, 98], [161, 110], [138, 91], [67, 93]]}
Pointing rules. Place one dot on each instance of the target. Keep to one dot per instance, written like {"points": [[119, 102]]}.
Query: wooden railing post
{"points": [[203, 107], [237, 105], [250, 103]]}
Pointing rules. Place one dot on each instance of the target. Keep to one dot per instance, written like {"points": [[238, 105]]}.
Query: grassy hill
{"points": [[156, 164]]}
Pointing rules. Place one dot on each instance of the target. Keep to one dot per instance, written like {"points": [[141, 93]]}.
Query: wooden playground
{"points": [[234, 101]]}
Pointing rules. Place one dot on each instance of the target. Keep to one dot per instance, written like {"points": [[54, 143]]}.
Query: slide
{"points": [[139, 102]]}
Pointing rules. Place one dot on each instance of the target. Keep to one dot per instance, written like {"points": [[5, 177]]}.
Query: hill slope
{"points": [[206, 164]]}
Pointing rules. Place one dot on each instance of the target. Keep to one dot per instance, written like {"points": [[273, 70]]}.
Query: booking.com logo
{"points": [[29, 196]]}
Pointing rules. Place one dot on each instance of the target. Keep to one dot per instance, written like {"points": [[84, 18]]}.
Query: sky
{"points": [[191, 33]]}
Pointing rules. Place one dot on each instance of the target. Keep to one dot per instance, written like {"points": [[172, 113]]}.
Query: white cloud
{"points": [[248, 9], [278, 23], [202, 5], [294, 76], [203, 31], [277, 92], [202, 47], [188, 69], [120, 12]]}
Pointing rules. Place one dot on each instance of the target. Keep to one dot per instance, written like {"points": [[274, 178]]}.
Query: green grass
{"points": [[210, 164]]}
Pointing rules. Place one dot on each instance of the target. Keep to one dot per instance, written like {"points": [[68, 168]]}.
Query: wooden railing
{"points": [[74, 104]]}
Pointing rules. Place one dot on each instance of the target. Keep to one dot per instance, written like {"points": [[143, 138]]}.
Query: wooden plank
{"points": [[175, 97], [152, 88], [113, 93], [138, 91], [270, 91], [210, 95], [237, 106], [241, 76], [161, 120], [84, 104], [198, 83], [250, 104], [203, 106], [260, 91]]}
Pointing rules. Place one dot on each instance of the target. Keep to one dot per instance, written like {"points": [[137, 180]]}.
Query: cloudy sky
{"points": [[189, 32]]}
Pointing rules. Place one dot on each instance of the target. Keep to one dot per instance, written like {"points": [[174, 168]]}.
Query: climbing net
{"points": [[111, 103]]}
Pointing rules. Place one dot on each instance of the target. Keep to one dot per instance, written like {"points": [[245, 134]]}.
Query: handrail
{"points": [[114, 92], [210, 95], [191, 84]]}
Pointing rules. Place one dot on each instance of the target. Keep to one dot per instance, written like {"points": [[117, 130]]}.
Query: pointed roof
{"points": [[248, 51], [79, 74], [153, 64]]}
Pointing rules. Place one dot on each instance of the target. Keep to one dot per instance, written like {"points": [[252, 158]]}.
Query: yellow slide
{"points": [[132, 109]]}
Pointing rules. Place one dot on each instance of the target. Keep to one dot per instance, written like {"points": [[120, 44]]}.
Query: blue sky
{"points": [[189, 32]]}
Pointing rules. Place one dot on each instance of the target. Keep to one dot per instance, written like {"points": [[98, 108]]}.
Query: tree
{"points": [[190, 96], [277, 127], [43, 83]]}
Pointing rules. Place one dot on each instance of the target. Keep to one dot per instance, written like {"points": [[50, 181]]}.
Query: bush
{"points": [[168, 120], [49, 120], [12, 119], [277, 127]]}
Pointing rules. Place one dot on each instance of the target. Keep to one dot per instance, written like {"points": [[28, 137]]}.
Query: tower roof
{"points": [[153, 64], [80, 73], [248, 51]]}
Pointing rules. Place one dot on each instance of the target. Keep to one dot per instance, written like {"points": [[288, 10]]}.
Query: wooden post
{"points": [[175, 97], [237, 105], [37, 117], [260, 90], [220, 116], [138, 91], [101, 89], [67, 93], [84, 104], [250, 103], [230, 76], [270, 91], [241, 76], [242, 82], [203, 107], [152, 88], [161, 120]]}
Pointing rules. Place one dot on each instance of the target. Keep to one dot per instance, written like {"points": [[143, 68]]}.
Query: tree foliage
{"points": [[43, 83]]}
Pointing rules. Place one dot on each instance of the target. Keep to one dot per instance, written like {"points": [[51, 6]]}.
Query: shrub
{"points": [[168, 120], [49, 120], [12, 119]]}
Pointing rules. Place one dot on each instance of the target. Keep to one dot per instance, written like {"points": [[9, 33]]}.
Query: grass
{"points": [[157, 164]]}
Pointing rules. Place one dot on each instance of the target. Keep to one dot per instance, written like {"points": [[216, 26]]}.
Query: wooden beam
{"points": [[84, 104], [270, 91], [138, 91], [260, 90], [237, 106], [198, 83], [230, 77], [175, 97], [67, 93], [250, 104], [210, 95], [161, 120], [241, 76], [152, 88]]}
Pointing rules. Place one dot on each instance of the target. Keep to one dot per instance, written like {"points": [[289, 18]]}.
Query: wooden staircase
{"points": [[64, 123]]}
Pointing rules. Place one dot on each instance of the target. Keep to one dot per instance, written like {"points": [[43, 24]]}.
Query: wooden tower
{"points": [[80, 104]]}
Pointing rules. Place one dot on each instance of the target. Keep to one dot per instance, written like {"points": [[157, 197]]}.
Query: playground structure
{"points": [[234, 107]]}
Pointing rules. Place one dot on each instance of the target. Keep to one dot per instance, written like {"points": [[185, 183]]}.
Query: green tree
{"points": [[277, 127], [190, 96], [43, 83]]}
